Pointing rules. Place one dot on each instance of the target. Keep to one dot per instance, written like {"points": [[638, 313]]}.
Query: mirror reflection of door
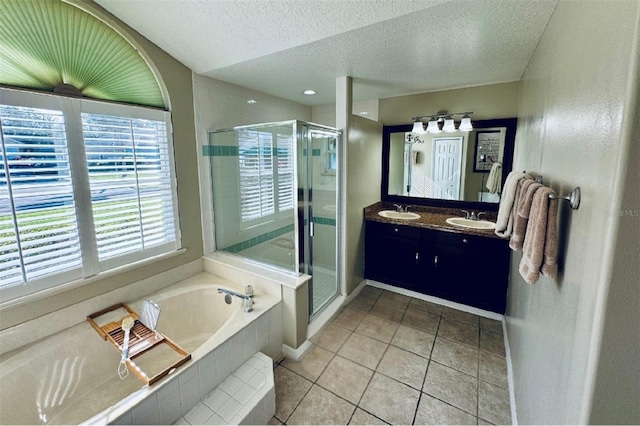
{"points": [[447, 158]]}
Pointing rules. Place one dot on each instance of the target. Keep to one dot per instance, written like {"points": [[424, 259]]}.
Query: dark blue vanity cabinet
{"points": [[464, 268]]}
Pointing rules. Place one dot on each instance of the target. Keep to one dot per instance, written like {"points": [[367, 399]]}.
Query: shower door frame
{"points": [[304, 256]]}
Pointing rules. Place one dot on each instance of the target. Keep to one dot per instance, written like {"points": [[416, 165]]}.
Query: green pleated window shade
{"points": [[47, 43]]}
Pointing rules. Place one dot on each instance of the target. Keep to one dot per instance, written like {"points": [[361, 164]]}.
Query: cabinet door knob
{"points": [[435, 261], [417, 257], [395, 229], [464, 240]]}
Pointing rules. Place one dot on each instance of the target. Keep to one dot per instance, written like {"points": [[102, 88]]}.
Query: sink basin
{"points": [[390, 214], [468, 223]]}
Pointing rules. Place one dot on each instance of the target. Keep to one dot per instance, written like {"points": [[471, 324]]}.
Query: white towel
{"points": [[509, 203], [495, 178]]}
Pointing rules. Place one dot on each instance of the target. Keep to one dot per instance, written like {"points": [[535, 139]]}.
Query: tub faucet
{"points": [[247, 298]]}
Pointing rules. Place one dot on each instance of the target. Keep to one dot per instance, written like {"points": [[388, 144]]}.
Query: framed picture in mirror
{"points": [[487, 150]]}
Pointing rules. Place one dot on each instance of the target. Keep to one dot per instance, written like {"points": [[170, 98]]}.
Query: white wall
{"points": [[575, 97], [220, 105]]}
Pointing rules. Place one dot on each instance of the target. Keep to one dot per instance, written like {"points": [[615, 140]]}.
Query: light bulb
{"points": [[449, 125]]}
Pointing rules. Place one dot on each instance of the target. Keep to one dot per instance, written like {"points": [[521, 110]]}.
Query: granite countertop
{"points": [[430, 217]]}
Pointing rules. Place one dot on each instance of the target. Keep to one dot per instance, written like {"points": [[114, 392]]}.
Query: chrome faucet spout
{"points": [[247, 299]]}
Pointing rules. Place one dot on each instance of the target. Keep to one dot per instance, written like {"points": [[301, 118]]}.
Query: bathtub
{"points": [[71, 377]]}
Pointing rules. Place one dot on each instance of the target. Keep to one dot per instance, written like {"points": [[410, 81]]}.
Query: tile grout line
{"points": [[424, 379]]}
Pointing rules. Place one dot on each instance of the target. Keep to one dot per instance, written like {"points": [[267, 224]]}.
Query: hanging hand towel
{"points": [[523, 210], [495, 178], [509, 203], [540, 245]]}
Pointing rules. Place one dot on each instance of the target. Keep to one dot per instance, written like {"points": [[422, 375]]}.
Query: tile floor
{"points": [[390, 358]]}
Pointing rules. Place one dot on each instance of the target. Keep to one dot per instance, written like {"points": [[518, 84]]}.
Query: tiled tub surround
{"points": [[71, 376], [247, 396], [430, 217], [390, 358]]}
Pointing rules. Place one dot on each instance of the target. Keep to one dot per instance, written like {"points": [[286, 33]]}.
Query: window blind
{"points": [[83, 188], [266, 170]]}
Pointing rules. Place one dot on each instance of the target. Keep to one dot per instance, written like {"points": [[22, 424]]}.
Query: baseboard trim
{"points": [[512, 394], [439, 301], [296, 354]]}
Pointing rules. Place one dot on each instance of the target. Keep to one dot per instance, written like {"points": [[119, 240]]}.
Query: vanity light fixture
{"points": [[465, 124], [442, 121], [449, 125], [418, 127]]}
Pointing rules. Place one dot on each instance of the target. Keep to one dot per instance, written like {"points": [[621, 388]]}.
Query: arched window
{"points": [[85, 185]]}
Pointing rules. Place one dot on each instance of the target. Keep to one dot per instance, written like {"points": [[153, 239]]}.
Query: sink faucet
{"points": [[473, 215], [402, 209], [247, 298]]}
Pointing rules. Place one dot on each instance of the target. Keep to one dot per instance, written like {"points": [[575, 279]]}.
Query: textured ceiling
{"points": [[389, 47]]}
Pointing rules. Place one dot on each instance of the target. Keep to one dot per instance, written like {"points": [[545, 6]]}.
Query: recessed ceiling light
{"points": [[309, 92], [252, 101]]}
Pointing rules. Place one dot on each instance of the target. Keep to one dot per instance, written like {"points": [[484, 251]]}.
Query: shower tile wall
{"points": [[220, 105]]}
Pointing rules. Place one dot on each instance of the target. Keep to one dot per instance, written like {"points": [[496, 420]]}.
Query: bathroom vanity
{"points": [[430, 256]]}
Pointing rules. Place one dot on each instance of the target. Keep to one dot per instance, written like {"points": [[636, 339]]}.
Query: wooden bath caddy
{"points": [[141, 340]]}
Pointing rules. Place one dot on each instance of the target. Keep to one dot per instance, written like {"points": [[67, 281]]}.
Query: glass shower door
{"points": [[319, 197]]}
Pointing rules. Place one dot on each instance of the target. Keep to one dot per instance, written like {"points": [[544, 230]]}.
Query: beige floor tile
{"points": [[389, 310], [370, 292], [493, 369], [414, 340], [492, 342], [393, 297], [452, 386], [290, 389], [493, 403], [346, 379], [459, 331], [435, 412], [461, 316], [378, 328], [362, 303], [425, 321], [274, 421], [361, 417], [332, 338], [456, 355], [390, 400], [424, 305], [491, 325], [405, 367], [363, 350], [312, 363], [321, 407], [349, 318]]}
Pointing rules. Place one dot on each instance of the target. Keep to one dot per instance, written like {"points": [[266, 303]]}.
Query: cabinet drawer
{"points": [[390, 229], [458, 240]]}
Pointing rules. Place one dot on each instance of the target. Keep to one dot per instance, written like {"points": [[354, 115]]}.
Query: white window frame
{"points": [[72, 109]]}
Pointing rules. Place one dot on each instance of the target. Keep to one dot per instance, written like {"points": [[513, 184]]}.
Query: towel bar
{"points": [[573, 198]]}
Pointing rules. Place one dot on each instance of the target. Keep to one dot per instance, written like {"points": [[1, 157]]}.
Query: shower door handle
{"points": [[311, 228]]}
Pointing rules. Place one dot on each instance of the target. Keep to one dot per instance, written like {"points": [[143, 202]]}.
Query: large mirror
{"points": [[448, 169]]}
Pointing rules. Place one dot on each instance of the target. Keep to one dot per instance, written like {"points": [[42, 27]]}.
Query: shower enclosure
{"points": [[275, 198]]}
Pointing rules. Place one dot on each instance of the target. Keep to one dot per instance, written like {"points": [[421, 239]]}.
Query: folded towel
{"points": [[523, 209], [495, 178], [508, 203], [541, 242]]}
